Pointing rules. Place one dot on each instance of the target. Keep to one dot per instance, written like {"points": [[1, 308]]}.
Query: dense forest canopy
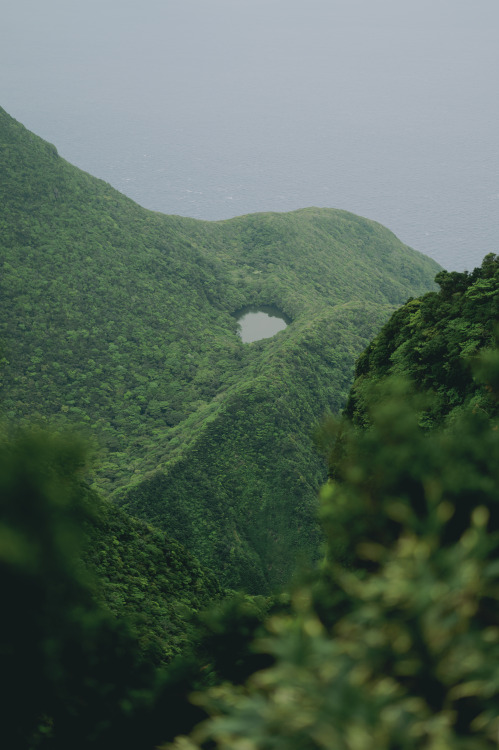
{"points": [[118, 322]]}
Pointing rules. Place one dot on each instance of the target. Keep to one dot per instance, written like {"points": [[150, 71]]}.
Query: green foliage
{"points": [[396, 642], [63, 661], [433, 340], [95, 604], [226, 634]]}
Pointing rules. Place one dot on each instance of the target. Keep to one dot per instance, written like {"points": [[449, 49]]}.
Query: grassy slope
{"points": [[121, 319]]}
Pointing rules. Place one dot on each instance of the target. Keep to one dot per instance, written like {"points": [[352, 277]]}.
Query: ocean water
{"points": [[385, 108]]}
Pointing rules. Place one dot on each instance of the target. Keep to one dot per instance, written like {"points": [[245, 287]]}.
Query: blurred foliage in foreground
{"points": [[74, 674], [96, 606], [395, 643]]}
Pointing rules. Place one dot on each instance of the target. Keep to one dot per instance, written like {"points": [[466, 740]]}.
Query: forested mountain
{"points": [[122, 322], [392, 640]]}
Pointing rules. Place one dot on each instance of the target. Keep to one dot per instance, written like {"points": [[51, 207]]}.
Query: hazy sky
{"points": [[217, 107]]}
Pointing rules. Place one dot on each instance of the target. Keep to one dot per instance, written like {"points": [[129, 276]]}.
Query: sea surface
{"points": [[385, 108]]}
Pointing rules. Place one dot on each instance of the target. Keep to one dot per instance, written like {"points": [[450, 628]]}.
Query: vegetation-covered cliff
{"points": [[434, 341]]}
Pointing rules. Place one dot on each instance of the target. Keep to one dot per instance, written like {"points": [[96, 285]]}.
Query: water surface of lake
{"points": [[260, 323]]}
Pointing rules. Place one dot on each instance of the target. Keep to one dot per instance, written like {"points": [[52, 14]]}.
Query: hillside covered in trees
{"points": [[393, 640], [123, 322], [119, 633]]}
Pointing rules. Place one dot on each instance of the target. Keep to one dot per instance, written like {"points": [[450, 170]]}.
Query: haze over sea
{"points": [[216, 108]]}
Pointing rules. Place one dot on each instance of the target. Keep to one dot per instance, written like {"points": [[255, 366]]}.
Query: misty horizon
{"points": [[213, 110]]}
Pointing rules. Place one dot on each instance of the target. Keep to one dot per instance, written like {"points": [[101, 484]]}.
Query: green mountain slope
{"points": [[122, 320]]}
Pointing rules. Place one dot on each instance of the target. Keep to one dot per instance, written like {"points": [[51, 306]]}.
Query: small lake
{"points": [[260, 323]]}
